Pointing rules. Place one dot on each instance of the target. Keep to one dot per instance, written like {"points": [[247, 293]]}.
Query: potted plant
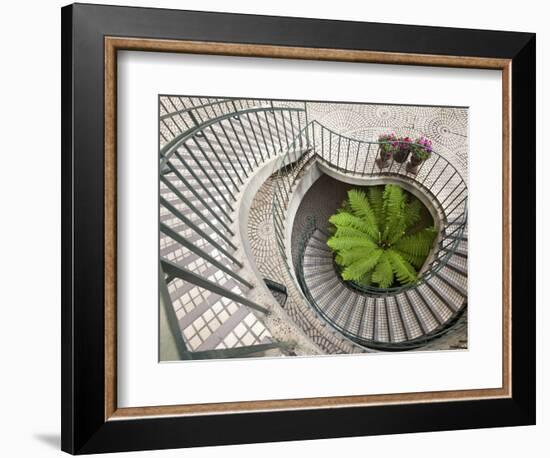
{"points": [[388, 145], [420, 150], [378, 237], [403, 150]]}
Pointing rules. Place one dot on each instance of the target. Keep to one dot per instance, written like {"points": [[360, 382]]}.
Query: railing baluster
{"points": [[347, 154], [237, 155], [193, 191], [374, 161], [255, 137], [438, 176], [322, 143], [200, 184], [174, 113], [330, 146], [366, 159], [239, 142], [195, 108], [300, 131], [227, 173], [452, 201], [451, 193], [216, 104], [277, 129], [259, 124], [430, 171], [457, 205], [214, 169], [227, 155], [196, 211], [188, 222], [270, 135], [356, 157], [446, 183], [168, 127], [207, 175], [338, 167]]}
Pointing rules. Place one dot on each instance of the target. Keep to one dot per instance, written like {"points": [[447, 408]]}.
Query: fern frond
{"points": [[356, 270], [376, 201], [396, 231], [412, 212], [402, 269], [394, 203], [345, 219], [366, 280], [361, 207], [347, 231], [346, 257], [346, 243], [383, 273], [419, 244], [416, 261]]}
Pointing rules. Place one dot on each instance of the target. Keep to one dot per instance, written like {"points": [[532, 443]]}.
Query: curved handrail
{"points": [[169, 148], [171, 114], [198, 113]]}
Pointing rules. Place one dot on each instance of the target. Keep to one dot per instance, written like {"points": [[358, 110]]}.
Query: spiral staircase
{"points": [[219, 300]]}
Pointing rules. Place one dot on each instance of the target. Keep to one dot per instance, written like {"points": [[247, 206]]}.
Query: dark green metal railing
{"points": [[208, 150]]}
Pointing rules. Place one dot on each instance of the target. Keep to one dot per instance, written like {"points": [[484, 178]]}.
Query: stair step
{"points": [[437, 301], [320, 245], [412, 326], [458, 264], [329, 301], [318, 252], [312, 261], [315, 276], [424, 314], [460, 288], [381, 327], [343, 301], [397, 330], [354, 323], [367, 328]]}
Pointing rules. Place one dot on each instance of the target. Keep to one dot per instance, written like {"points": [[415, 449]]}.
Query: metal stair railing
{"points": [[208, 150]]}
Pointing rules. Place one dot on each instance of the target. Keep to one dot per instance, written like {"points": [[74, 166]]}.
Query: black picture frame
{"points": [[84, 426]]}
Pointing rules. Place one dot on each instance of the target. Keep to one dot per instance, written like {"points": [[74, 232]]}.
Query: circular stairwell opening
{"points": [[411, 245], [363, 313]]}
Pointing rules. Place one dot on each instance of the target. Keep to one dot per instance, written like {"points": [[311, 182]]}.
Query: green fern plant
{"points": [[378, 238]]}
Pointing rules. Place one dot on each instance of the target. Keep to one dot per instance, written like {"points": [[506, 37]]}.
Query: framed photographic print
{"points": [[271, 222]]}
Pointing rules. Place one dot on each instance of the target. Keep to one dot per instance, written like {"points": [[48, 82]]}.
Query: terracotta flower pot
{"points": [[383, 160], [401, 155], [412, 165]]}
